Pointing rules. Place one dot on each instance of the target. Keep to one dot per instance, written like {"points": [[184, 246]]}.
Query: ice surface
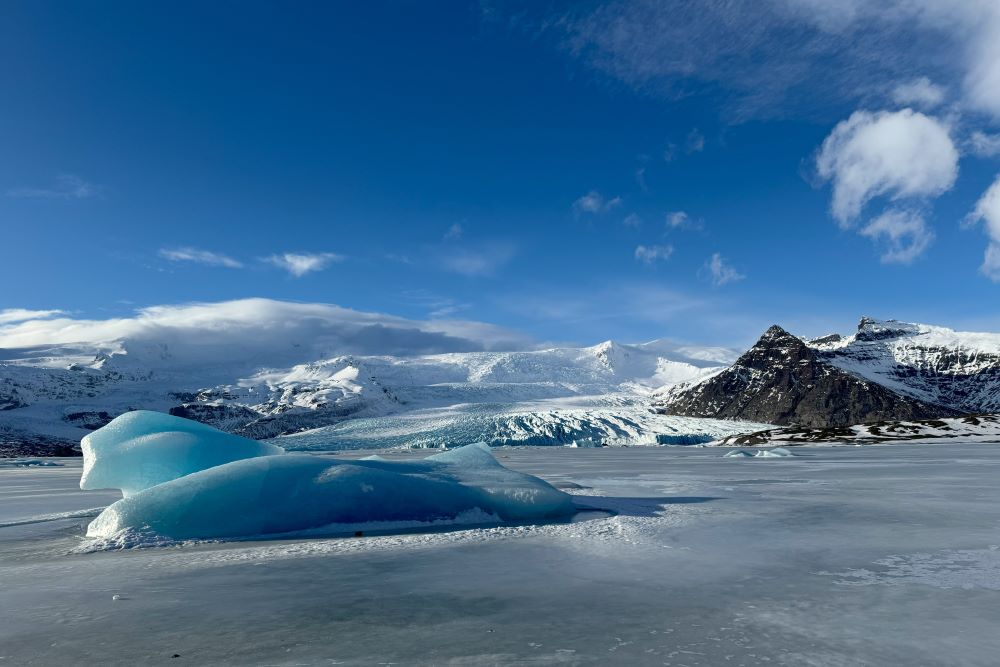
{"points": [[881, 555], [272, 495], [140, 449]]}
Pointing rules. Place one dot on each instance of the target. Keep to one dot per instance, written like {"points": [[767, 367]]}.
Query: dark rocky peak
{"points": [[871, 329], [776, 346], [829, 338]]}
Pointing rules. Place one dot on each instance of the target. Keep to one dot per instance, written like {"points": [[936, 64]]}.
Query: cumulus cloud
{"points": [[920, 92], [987, 211], [66, 186], [299, 264], [594, 202], [255, 333], [720, 272], [10, 315], [903, 234], [653, 253], [902, 154], [198, 256]]}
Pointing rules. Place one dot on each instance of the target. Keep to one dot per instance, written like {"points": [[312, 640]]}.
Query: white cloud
{"points": [[902, 154], [987, 210], [481, 260], [904, 235], [984, 145], [257, 333], [640, 178], [920, 92], [695, 141], [11, 315], [67, 186], [454, 232], [197, 256], [632, 220], [787, 57], [300, 263], [653, 253], [594, 202], [720, 272]]}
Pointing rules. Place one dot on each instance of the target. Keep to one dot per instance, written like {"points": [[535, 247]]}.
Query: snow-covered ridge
{"points": [[956, 369]]}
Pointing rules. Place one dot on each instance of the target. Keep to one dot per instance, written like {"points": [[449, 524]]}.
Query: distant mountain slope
{"points": [[784, 380], [982, 428], [58, 393], [960, 370]]}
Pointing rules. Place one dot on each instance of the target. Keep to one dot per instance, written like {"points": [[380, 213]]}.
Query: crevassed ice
{"points": [[142, 448], [278, 494]]}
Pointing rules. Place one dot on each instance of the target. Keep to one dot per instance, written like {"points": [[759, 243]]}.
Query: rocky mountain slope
{"points": [[784, 380], [982, 428]]}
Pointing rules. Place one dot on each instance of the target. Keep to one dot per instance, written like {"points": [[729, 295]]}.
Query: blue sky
{"points": [[571, 172]]}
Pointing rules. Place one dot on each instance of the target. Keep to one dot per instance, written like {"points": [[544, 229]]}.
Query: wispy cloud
{"points": [[454, 232], [904, 235], [653, 253], [777, 58], [720, 272], [695, 141], [984, 145], [436, 305], [11, 315], [632, 220], [681, 220], [484, 259], [594, 202], [987, 211], [299, 264], [66, 186], [198, 256], [921, 92]]}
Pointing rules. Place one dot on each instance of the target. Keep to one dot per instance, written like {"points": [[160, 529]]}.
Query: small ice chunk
{"points": [[737, 454], [272, 495], [141, 449], [777, 452]]}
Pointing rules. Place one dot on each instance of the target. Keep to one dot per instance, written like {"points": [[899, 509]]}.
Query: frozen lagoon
{"points": [[836, 556]]}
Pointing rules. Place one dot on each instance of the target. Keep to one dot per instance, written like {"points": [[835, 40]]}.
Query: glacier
{"points": [[190, 481]]}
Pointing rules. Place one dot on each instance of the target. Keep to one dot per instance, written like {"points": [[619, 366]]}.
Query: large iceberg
{"points": [[270, 495], [142, 448]]}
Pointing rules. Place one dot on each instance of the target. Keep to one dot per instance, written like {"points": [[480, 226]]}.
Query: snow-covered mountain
{"points": [[959, 370], [59, 392], [886, 370]]}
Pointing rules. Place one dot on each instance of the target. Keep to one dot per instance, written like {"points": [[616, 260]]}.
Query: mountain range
{"points": [[659, 391]]}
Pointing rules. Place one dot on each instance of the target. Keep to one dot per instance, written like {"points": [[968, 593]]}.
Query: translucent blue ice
{"points": [[274, 495], [141, 449]]}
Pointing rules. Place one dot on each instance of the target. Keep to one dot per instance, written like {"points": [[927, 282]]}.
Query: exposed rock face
{"points": [[931, 364], [782, 380]]}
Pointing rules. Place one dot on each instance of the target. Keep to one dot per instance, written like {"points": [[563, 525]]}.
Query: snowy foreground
{"points": [[884, 554]]}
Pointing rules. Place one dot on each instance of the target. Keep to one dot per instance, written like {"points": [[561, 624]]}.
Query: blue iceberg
{"points": [[274, 494], [141, 449]]}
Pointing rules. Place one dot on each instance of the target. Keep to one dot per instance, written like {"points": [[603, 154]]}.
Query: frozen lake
{"points": [[838, 556]]}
